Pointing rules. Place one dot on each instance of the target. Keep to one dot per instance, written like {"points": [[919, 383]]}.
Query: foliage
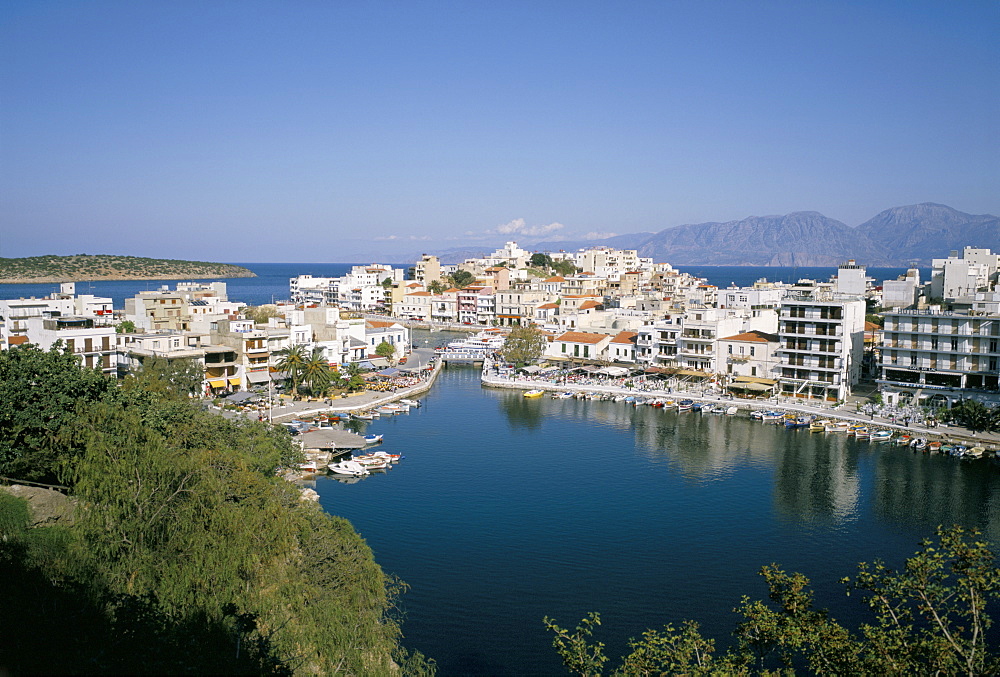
{"points": [[110, 266], [436, 286], [386, 350], [292, 360], [189, 555], [929, 618], [316, 372], [261, 314], [354, 376], [180, 377], [875, 318], [462, 278], [540, 260], [564, 267], [523, 345], [974, 415], [39, 391], [125, 327]]}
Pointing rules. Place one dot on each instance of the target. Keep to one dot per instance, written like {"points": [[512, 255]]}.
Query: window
{"points": [[730, 350], [753, 371], [751, 351]]}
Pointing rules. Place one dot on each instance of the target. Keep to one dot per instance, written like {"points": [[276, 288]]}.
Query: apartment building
{"points": [[822, 343], [751, 354], [94, 344], [936, 357]]}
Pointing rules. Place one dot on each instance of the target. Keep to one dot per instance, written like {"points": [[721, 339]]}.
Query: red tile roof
{"points": [[581, 337], [753, 336], [624, 337]]}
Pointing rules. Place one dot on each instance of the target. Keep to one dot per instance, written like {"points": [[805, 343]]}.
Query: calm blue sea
{"points": [[271, 283], [506, 510]]}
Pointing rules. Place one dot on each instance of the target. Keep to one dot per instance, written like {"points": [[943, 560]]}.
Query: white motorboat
{"points": [[371, 462], [411, 403], [732, 410], [348, 468]]}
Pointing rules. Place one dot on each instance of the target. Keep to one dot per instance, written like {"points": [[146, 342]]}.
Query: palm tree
{"points": [[293, 360], [316, 372], [352, 374]]}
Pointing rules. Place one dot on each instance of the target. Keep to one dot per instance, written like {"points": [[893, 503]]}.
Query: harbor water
{"points": [[507, 509]]}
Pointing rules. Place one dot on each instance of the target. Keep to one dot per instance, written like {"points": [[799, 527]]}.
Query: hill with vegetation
{"points": [[186, 553], [80, 267]]}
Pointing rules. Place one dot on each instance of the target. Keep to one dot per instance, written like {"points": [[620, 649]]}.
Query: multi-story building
{"points": [[749, 354], [427, 270], [94, 344], [975, 270], [936, 357], [822, 343]]}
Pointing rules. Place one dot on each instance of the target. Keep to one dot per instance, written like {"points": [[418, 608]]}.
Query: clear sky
{"points": [[358, 131]]}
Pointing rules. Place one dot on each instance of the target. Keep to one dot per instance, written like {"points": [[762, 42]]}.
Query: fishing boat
{"points": [[534, 393], [800, 422], [685, 405], [772, 416], [904, 440], [373, 439], [880, 436], [975, 452], [934, 446], [412, 403], [861, 432], [837, 427], [818, 425], [371, 462]]}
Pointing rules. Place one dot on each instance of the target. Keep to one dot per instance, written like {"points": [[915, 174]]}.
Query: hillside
{"points": [[926, 231], [110, 267]]}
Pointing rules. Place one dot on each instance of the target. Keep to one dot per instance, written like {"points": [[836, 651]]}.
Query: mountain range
{"points": [[897, 237]]}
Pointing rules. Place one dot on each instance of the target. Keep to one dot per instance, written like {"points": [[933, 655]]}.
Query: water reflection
{"points": [[818, 477]]}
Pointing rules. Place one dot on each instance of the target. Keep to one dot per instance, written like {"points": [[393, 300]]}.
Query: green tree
{"points": [[524, 345], [292, 360], [354, 376], [462, 279], [316, 372], [125, 327], [40, 391], [541, 260], [975, 415], [182, 377], [261, 314], [436, 286], [930, 617], [564, 267], [385, 349]]}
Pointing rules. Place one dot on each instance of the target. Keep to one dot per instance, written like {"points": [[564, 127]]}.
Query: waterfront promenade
{"points": [[647, 389]]}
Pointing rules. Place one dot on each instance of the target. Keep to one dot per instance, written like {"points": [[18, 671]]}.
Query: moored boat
{"points": [[732, 410], [348, 468], [818, 425], [373, 439], [881, 436], [534, 393], [837, 427], [685, 405]]}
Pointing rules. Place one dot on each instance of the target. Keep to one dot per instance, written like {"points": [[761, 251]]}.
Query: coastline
{"points": [[58, 279], [991, 441]]}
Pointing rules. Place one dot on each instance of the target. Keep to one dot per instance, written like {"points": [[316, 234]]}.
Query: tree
{"points": [[182, 377], [975, 415], [125, 327], [436, 287], [292, 360], [540, 260], [354, 376], [929, 618], [462, 278], [385, 349], [261, 314], [316, 372], [524, 345], [564, 267]]}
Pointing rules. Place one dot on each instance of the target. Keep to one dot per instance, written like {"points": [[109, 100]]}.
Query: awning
{"points": [[234, 381], [218, 383], [242, 396], [752, 387], [531, 369], [388, 372], [693, 372], [614, 371], [258, 377], [754, 379]]}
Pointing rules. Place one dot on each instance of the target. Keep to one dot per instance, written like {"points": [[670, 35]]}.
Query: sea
{"points": [[271, 283]]}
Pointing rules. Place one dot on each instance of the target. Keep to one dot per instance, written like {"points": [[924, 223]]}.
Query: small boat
{"points": [[772, 417], [685, 405], [562, 396], [934, 446], [862, 433], [349, 468], [837, 427], [904, 440], [731, 410], [371, 462], [800, 422], [308, 466], [880, 436], [412, 403], [818, 425], [975, 452], [373, 439], [757, 414], [959, 450], [717, 409], [697, 406], [918, 444], [391, 458], [534, 393]]}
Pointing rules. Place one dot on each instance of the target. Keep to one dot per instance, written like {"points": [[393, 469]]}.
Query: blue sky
{"points": [[354, 131]]}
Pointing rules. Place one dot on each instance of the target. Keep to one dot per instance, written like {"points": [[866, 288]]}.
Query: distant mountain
{"points": [[796, 239], [927, 231], [896, 237]]}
